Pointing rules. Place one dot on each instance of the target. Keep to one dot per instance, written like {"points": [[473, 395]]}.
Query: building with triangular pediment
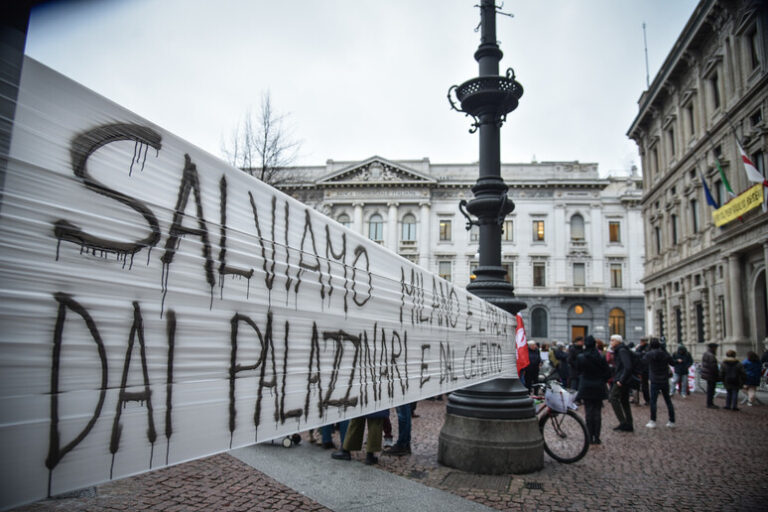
{"points": [[571, 246]]}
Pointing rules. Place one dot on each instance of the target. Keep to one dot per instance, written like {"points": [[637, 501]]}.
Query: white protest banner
{"points": [[159, 305]]}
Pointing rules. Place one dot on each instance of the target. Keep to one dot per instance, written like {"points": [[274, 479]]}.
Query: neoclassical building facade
{"points": [[705, 283], [571, 247]]}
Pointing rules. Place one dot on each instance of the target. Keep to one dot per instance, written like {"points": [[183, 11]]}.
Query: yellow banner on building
{"points": [[739, 205]]}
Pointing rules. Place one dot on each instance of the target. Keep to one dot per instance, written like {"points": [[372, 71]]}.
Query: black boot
{"points": [[341, 455]]}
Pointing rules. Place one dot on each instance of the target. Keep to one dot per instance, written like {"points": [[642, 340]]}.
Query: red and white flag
{"points": [[522, 345], [753, 174]]}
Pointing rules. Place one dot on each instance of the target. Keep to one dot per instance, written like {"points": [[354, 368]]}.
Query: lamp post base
{"points": [[491, 428]]}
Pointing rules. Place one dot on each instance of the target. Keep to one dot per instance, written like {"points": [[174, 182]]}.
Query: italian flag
{"points": [[753, 174], [724, 179], [522, 345]]}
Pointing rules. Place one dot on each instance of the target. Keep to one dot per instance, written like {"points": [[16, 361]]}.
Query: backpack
{"points": [[638, 366]]}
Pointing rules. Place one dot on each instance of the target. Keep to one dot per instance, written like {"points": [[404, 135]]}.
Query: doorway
{"points": [[578, 330]]}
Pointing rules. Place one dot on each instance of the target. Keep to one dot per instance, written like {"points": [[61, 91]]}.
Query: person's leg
{"points": [[654, 397], [751, 390], [644, 389], [588, 417], [598, 421], [354, 435], [668, 401], [626, 407], [710, 393], [326, 433], [614, 398], [404, 426], [343, 425], [373, 443]]}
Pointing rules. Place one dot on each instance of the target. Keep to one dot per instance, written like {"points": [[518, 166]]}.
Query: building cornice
{"points": [[691, 29]]}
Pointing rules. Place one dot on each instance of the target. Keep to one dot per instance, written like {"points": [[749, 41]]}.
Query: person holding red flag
{"points": [[522, 349]]}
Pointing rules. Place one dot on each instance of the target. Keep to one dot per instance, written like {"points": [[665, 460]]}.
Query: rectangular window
{"points": [[660, 319], [579, 277], [474, 233], [445, 230], [673, 225], [539, 274], [616, 280], [538, 231], [679, 324], [409, 232], [691, 121], [671, 142], [614, 232], [508, 269], [657, 233], [759, 160], [715, 88], [699, 322], [655, 161], [719, 192], [444, 269], [509, 232], [694, 215], [754, 49]]}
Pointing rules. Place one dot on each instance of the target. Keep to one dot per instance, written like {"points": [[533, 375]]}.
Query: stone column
{"points": [[709, 279], [392, 226], [734, 298], [357, 221], [423, 234], [765, 259]]}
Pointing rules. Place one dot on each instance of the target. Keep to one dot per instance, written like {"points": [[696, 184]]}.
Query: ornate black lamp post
{"points": [[490, 427]]}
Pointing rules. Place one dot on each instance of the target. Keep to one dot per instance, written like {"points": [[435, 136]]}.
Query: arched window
{"points": [[409, 229], [344, 220], [577, 227], [376, 228], [616, 322], [539, 323]]}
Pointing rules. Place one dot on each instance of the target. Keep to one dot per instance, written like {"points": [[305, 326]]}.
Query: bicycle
{"points": [[565, 434]]}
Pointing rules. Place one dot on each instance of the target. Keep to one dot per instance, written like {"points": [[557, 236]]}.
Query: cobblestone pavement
{"points": [[713, 460]]}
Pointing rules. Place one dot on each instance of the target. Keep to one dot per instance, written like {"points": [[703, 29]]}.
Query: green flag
{"points": [[725, 180]]}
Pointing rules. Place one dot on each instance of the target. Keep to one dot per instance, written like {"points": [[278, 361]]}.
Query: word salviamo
{"points": [[159, 305]]}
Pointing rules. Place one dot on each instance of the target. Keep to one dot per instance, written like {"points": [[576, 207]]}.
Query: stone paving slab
{"points": [[715, 460], [346, 485]]}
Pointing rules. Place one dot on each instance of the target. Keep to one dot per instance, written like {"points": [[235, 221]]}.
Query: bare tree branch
{"points": [[262, 145]]}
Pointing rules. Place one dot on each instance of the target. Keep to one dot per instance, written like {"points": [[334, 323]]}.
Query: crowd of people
{"points": [[624, 373], [620, 372]]}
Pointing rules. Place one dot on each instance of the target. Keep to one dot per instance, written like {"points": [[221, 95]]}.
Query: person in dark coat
{"points": [[683, 361], [573, 352], [532, 370], [562, 364], [642, 349], [622, 384], [594, 373], [733, 377], [659, 362], [710, 373]]}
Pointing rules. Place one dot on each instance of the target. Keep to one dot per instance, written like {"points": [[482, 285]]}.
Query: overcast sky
{"points": [[369, 77]]}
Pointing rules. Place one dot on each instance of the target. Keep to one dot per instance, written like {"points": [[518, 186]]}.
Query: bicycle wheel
{"points": [[565, 436]]}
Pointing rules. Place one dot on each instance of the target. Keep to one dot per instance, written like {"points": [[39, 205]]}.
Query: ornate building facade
{"points": [[705, 283], [571, 246]]}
